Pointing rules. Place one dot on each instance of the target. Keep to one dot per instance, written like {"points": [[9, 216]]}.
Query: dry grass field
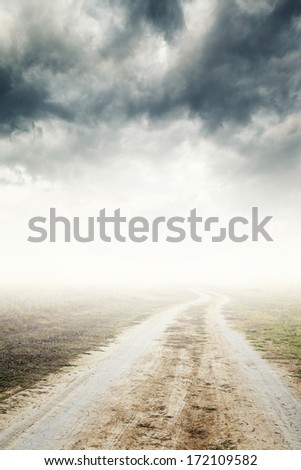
{"points": [[271, 321], [42, 332], [176, 378]]}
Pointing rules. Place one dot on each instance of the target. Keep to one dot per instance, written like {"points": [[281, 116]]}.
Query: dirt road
{"points": [[52, 419], [183, 379]]}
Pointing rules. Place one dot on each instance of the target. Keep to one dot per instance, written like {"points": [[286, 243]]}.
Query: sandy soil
{"points": [[183, 379]]}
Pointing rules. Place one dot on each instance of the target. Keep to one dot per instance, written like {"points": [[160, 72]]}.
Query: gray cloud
{"points": [[23, 101], [166, 16], [49, 60], [248, 61], [246, 64]]}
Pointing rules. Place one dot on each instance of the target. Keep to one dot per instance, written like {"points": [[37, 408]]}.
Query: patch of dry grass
{"points": [[42, 332], [272, 322]]}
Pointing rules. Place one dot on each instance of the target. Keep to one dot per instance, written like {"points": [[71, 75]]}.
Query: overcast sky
{"points": [[156, 107]]}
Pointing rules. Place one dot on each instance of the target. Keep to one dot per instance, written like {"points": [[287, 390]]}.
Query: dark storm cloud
{"points": [[29, 67], [29, 71], [19, 101], [161, 18], [246, 63], [24, 101], [166, 16]]}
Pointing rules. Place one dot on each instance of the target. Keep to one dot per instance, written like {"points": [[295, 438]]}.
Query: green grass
{"points": [[272, 322]]}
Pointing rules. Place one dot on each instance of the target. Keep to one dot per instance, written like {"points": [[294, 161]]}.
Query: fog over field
{"points": [[155, 108], [172, 111]]}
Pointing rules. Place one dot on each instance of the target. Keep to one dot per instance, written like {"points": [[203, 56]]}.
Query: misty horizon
{"points": [[155, 107]]}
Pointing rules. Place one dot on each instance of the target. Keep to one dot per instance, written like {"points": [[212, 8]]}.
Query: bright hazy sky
{"points": [[156, 108]]}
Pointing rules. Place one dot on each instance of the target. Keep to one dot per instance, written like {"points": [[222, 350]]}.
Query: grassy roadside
{"points": [[272, 323], [41, 333]]}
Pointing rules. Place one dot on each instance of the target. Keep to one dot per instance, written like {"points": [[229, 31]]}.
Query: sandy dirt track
{"points": [[183, 379], [52, 419]]}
